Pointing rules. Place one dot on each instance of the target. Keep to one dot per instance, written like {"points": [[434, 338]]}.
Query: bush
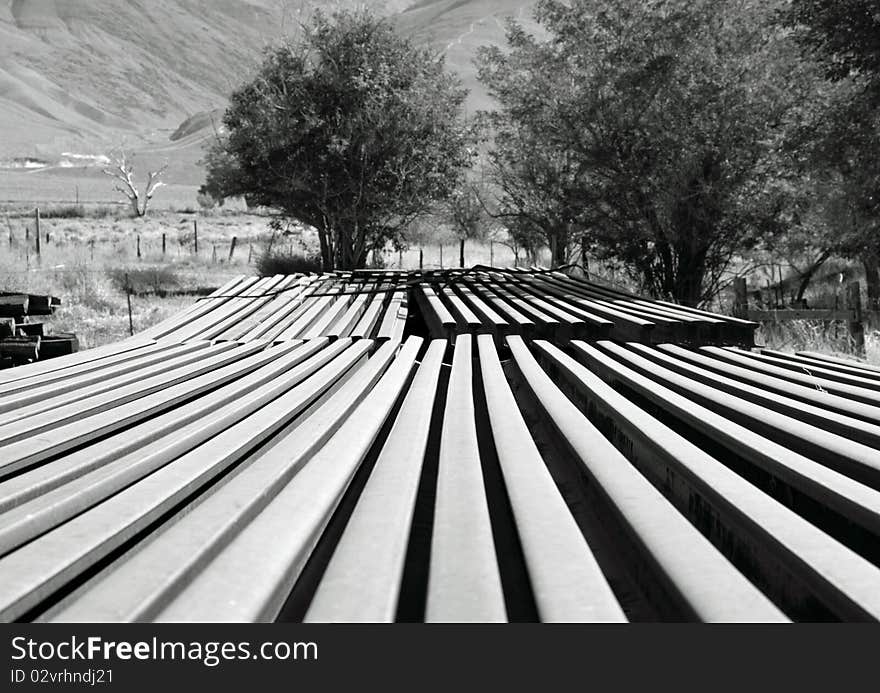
{"points": [[281, 262], [156, 280], [87, 289], [63, 212], [205, 200], [77, 211]]}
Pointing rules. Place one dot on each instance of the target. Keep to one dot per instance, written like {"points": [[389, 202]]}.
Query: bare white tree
{"points": [[122, 171]]}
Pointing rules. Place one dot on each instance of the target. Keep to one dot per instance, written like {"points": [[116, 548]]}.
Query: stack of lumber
{"points": [[284, 307], [479, 300], [23, 339], [211, 473], [553, 305]]}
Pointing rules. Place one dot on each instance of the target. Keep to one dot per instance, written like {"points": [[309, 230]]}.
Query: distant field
{"points": [[85, 260], [19, 188]]}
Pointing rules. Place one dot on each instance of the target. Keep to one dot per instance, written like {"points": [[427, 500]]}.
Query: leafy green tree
{"points": [[647, 129], [352, 130]]}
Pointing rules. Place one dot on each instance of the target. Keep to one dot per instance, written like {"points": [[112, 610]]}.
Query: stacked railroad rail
{"points": [[354, 447], [480, 300], [23, 339]]}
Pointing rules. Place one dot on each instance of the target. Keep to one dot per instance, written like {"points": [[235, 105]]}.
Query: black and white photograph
{"points": [[433, 311]]}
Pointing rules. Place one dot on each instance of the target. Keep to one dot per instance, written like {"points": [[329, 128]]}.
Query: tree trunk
{"points": [[689, 289], [561, 257], [326, 255], [871, 262], [585, 262], [359, 260], [558, 239], [808, 275], [357, 248], [690, 271], [661, 275]]}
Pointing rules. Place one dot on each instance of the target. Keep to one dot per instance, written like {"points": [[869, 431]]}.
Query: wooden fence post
{"points": [[740, 298], [856, 328], [441, 256], [196, 235], [139, 246], [491, 253], [128, 299], [163, 245], [461, 253], [37, 222], [232, 248], [421, 258]]}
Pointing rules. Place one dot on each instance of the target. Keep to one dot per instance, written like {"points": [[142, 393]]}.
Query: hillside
{"points": [[79, 77], [75, 73], [459, 28]]}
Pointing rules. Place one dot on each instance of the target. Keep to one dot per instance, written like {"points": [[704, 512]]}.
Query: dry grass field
{"points": [[85, 258], [828, 338], [87, 252]]}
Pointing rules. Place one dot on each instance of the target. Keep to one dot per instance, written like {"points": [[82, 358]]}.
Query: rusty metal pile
{"points": [[480, 445]]}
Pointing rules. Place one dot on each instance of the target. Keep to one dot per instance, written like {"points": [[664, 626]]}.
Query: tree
{"points": [[845, 33], [843, 139], [540, 196], [466, 214], [123, 172], [351, 130], [645, 129]]}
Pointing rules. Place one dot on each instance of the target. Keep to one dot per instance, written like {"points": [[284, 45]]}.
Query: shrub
{"points": [[63, 212], [156, 280], [283, 262], [86, 288], [77, 211], [205, 200]]}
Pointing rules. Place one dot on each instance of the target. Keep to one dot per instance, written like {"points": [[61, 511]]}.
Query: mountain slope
{"points": [[459, 28], [79, 71], [83, 76]]}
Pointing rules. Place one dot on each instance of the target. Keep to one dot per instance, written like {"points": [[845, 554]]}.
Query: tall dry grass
{"points": [[88, 259], [826, 337]]}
